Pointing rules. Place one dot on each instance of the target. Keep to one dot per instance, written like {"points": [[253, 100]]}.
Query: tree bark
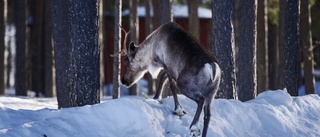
{"points": [[165, 11], [49, 76], [134, 35], [281, 46], [193, 19], [223, 45], [2, 49], [306, 45], [292, 46], [149, 26], [247, 51], [21, 49], [262, 46], [117, 47], [102, 46], [75, 33]]}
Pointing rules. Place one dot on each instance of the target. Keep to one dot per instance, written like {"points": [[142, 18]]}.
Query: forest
{"points": [[260, 46], [61, 58]]}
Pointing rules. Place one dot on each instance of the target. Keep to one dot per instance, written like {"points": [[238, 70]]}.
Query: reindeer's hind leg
{"points": [[194, 130], [178, 109], [207, 115]]}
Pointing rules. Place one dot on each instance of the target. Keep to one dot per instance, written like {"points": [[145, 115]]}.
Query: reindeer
{"points": [[188, 67]]}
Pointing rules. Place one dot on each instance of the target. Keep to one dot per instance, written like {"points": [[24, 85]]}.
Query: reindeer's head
{"points": [[134, 68]]}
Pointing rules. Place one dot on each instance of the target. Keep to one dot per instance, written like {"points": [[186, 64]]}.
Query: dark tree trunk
{"points": [[193, 19], [223, 44], [165, 17], [280, 78], [49, 76], [102, 46], [75, 33], [247, 51], [262, 46], [306, 45], [292, 46], [273, 54], [117, 47], [165, 11], [2, 67], [36, 47], [148, 23], [156, 14], [21, 49], [134, 35]]}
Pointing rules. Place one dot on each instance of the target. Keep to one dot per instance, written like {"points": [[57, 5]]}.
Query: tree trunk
{"points": [[156, 14], [193, 19], [165, 17], [306, 45], [134, 35], [262, 46], [165, 11], [117, 47], [75, 33], [36, 51], [49, 77], [223, 44], [273, 54], [247, 51], [102, 46], [2, 47], [292, 46], [21, 49], [281, 46], [148, 25]]}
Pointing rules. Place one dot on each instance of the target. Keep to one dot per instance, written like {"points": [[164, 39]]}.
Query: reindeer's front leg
{"points": [[162, 80]]}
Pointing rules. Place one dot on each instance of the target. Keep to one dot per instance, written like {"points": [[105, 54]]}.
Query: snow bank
{"points": [[272, 113]]}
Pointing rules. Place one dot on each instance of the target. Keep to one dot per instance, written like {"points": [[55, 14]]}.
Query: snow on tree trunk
{"points": [[222, 45], [292, 46], [75, 33], [117, 47], [21, 49], [247, 51]]}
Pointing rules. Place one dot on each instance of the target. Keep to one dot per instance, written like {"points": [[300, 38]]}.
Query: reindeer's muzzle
{"points": [[125, 82]]}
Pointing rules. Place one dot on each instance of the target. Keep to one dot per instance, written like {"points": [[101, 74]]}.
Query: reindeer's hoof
{"points": [[179, 111], [194, 131]]}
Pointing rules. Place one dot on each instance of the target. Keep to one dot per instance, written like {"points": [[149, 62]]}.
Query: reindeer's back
{"points": [[187, 47]]}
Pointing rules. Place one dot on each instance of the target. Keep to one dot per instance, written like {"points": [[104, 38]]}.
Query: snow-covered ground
{"points": [[271, 114]]}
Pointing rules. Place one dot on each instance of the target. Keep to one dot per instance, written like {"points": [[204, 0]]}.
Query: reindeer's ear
{"points": [[132, 48]]}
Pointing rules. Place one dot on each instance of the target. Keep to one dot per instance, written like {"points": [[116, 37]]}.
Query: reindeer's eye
{"points": [[126, 61]]}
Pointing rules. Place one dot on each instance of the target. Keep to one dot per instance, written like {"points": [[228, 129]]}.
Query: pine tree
{"points": [[117, 47], [222, 45], [292, 46], [247, 50], [75, 35]]}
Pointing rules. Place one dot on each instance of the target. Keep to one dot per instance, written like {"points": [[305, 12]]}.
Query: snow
{"points": [[272, 113], [177, 11]]}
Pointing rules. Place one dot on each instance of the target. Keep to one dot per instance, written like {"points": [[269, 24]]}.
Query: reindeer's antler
{"points": [[124, 50]]}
